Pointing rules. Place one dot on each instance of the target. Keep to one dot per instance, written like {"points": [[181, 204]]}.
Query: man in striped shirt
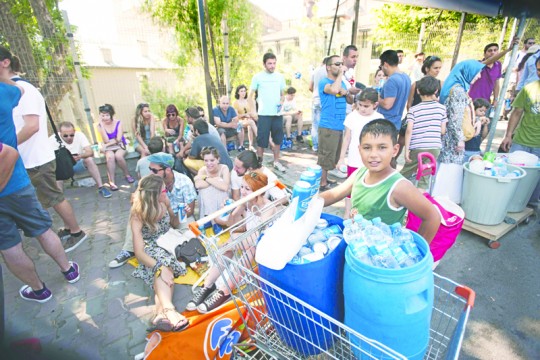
{"points": [[426, 122]]}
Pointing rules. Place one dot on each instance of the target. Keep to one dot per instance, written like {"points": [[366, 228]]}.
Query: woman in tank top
{"points": [[144, 128]]}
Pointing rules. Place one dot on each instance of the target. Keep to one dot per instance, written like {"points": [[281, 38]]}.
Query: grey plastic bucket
{"points": [[485, 199], [525, 189]]}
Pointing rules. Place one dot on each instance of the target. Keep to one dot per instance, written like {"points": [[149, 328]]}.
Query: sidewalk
{"points": [[106, 313]]}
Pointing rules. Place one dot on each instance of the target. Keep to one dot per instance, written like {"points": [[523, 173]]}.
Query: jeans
{"points": [[532, 150], [316, 117]]}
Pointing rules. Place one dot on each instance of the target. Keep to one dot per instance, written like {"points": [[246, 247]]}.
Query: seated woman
{"points": [[173, 125], [144, 128], [213, 182], [114, 144], [245, 117], [151, 217], [209, 297]]}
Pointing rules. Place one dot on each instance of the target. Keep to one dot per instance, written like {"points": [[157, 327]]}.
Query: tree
{"points": [[244, 31], [34, 31]]}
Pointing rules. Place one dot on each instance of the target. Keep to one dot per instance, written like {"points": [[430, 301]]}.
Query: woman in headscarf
{"points": [[454, 96]]}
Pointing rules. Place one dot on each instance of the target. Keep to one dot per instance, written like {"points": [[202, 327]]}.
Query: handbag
{"points": [[193, 254], [467, 123], [64, 159]]}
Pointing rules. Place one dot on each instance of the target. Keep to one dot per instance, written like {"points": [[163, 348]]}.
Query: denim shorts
{"points": [[79, 167], [22, 210]]}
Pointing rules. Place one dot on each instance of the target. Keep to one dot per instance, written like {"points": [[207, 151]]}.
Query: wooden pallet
{"points": [[494, 232]]}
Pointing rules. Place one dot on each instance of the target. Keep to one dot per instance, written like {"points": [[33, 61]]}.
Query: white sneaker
{"points": [[337, 173], [279, 167]]}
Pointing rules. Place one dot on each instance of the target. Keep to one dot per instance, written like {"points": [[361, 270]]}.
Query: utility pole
{"points": [[355, 23], [207, 79], [80, 79]]}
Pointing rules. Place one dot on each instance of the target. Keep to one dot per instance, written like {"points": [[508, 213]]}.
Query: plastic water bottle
{"points": [[349, 233], [361, 252], [401, 257], [380, 86], [225, 216], [377, 222], [404, 239], [239, 127], [377, 243], [323, 235]]}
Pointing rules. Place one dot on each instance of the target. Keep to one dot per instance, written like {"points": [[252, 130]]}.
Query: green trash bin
{"points": [[485, 199], [526, 187]]}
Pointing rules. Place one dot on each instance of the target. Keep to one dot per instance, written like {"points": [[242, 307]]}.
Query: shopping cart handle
{"points": [[428, 168], [466, 293], [194, 227]]}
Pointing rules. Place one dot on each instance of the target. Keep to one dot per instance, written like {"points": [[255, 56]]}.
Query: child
{"points": [[365, 104], [291, 114], [472, 147], [377, 189], [426, 122]]}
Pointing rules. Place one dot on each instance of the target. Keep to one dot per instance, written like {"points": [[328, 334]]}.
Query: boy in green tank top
{"points": [[377, 189]]}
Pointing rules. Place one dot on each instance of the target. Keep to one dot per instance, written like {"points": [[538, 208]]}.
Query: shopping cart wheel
{"points": [[494, 244], [527, 220]]}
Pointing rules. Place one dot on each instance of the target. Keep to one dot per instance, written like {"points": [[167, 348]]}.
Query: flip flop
{"points": [[113, 187], [130, 179]]}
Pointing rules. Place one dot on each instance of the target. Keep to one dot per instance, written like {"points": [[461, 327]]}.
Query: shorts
{"points": [[229, 133], [79, 167], [269, 125], [350, 171], [329, 148], [294, 118], [22, 210], [44, 180]]}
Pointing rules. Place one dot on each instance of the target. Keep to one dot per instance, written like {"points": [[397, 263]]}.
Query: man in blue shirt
{"points": [[334, 98], [529, 70], [20, 208], [270, 87], [226, 121], [395, 91]]}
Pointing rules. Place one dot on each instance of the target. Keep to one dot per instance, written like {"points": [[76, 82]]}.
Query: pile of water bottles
{"points": [[288, 143], [378, 244], [322, 241], [491, 165]]}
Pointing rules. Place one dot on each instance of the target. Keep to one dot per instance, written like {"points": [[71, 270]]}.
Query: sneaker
{"points": [[120, 259], [72, 275], [241, 148], [74, 242], [300, 139], [279, 167], [27, 293], [337, 173], [103, 191], [63, 234], [314, 148], [212, 302], [200, 295]]}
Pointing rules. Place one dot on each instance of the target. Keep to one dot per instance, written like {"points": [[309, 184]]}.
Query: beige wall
{"points": [[118, 87]]}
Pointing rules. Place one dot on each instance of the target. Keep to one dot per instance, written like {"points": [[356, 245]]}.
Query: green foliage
{"points": [[183, 16]]}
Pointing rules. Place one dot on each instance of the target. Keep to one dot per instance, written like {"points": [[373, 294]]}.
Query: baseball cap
{"points": [[193, 112], [163, 159], [533, 49]]}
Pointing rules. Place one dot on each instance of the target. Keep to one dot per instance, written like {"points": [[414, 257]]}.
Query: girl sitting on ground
{"points": [[210, 297], [151, 217], [213, 182]]}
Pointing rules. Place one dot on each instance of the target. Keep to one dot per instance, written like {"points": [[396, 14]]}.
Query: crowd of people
{"points": [[357, 132]]}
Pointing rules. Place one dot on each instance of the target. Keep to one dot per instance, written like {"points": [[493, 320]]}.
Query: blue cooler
{"points": [[320, 284], [391, 306]]}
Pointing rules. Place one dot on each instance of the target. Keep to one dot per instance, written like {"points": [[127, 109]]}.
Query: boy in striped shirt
{"points": [[426, 123]]}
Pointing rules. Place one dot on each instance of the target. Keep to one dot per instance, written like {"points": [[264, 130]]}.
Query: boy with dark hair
{"points": [[377, 190], [292, 115], [472, 147], [426, 122]]}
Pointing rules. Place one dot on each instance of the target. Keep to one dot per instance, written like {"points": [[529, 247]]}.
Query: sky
{"points": [[282, 9]]}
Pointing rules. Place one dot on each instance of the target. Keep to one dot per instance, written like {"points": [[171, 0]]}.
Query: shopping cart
{"points": [[282, 326]]}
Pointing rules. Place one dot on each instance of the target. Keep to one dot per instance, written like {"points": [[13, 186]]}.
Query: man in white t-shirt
{"points": [[78, 145], [247, 161], [30, 118]]}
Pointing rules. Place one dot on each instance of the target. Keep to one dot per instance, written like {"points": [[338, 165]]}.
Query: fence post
{"points": [[226, 67], [80, 78], [458, 40], [421, 38], [503, 31]]}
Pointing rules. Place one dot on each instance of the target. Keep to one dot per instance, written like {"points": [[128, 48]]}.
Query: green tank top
{"points": [[372, 201]]}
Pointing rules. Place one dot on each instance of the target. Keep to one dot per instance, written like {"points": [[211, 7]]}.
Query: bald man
{"points": [[226, 122]]}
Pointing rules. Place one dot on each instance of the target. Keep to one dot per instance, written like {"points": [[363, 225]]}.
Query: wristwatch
{"points": [[205, 177]]}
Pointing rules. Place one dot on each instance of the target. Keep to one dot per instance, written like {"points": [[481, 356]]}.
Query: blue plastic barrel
{"points": [[391, 306], [319, 284]]}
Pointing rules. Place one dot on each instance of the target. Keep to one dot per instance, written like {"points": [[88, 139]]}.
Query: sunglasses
{"points": [[171, 115], [155, 171], [253, 175], [66, 136], [209, 148], [105, 108], [339, 63]]}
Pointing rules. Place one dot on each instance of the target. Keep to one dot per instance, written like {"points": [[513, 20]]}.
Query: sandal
{"points": [[331, 181], [181, 324], [130, 179], [113, 187], [162, 324]]}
